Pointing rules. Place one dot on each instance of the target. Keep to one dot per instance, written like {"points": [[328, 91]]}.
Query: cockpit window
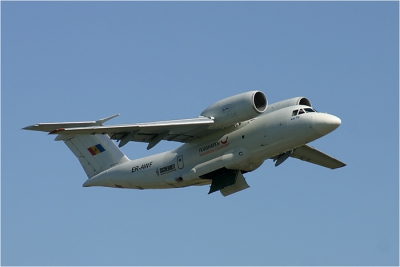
{"points": [[302, 111]]}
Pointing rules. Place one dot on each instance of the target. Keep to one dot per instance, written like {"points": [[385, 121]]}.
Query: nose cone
{"points": [[325, 123]]}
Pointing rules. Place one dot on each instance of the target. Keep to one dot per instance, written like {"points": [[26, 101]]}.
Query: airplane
{"points": [[232, 137]]}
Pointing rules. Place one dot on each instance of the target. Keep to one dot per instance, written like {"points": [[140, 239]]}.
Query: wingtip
{"points": [[30, 127]]}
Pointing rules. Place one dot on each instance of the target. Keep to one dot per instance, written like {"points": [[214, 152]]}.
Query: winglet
{"points": [[101, 121]]}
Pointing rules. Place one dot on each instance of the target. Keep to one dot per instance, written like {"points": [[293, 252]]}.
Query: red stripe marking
{"points": [[56, 131], [91, 151]]}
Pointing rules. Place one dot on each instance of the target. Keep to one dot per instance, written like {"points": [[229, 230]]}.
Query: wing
{"points": [[153, 132], [48, 127], [312, 155]]}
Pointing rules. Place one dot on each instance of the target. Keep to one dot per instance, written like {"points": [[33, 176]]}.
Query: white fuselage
{"points": [[244, 147]]}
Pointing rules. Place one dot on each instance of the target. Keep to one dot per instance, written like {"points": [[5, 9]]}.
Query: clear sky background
{"points": [[151, 61]]}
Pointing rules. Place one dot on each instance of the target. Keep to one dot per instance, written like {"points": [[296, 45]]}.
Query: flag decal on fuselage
{"points": [[97, 149]]}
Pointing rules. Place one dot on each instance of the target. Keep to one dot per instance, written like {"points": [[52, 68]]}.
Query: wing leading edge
{"points": [[48, 127], [312, 155], [183, 130]]}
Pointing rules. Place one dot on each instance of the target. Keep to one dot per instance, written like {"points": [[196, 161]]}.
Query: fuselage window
{"points": [[309, 110], [301, 111], [294, 113]]}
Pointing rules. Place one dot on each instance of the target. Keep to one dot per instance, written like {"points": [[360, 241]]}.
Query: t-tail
{"points": [[96, 153]]}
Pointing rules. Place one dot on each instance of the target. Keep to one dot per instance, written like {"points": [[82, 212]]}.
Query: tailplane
{"points": [[96, 153]]}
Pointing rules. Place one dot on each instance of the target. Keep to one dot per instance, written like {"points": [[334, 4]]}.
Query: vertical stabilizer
{"points": [[96, 153]]}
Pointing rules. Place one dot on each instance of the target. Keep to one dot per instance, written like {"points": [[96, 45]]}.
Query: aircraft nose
{"points": [[325, 123]]}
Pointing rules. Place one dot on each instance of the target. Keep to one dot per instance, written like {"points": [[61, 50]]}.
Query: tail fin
{"points": [[96, 153]]}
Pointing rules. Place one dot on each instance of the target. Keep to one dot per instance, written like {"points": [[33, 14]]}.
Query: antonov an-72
{"points": [[231, 137]]}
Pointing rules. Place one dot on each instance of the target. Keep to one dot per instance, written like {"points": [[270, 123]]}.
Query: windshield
{"points": [[301, 111], [309, 110]]}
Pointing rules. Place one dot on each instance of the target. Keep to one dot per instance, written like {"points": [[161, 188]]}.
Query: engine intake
{"points": [[237, 108]]}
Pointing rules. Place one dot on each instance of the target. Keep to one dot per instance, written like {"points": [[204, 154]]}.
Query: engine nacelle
{"points": [[237, 108], [288, 103]]}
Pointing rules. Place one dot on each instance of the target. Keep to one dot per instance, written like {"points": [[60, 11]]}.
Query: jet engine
{"points": [[237, 108], [288, 103]]}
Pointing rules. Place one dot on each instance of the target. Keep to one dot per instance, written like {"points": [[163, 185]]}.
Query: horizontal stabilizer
{"points": [[312, 155]]}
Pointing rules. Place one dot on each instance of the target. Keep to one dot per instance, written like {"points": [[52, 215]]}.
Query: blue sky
{"points": [[150, 61]]}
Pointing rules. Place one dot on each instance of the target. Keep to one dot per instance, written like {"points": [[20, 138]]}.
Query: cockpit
{"points": [[302, 111]]}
